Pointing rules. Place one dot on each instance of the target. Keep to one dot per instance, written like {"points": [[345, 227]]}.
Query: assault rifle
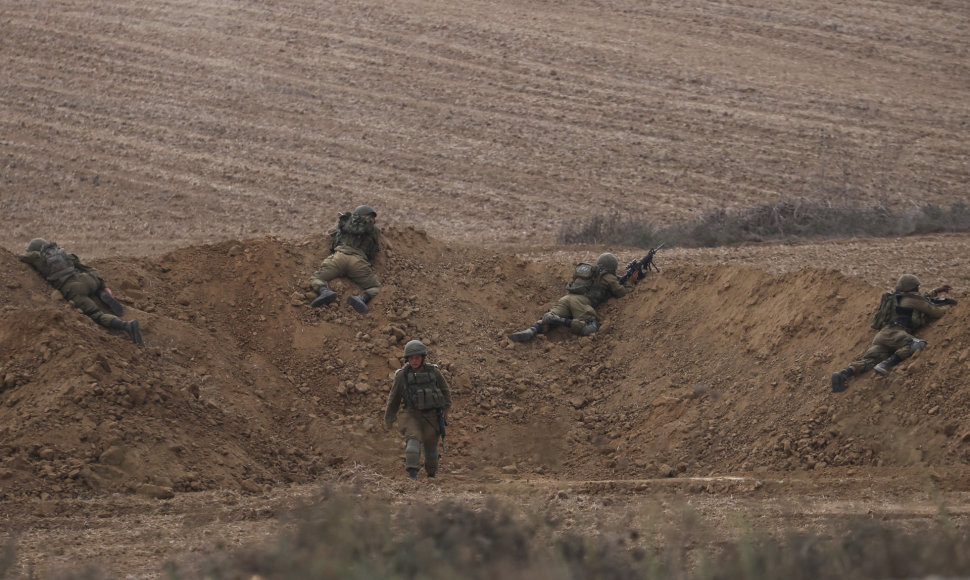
{"points": [[941, 301], [442, 423], [637, 266]]}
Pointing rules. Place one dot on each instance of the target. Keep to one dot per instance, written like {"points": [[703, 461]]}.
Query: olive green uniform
{"points": [[913, 311], [75, 281], [351, 256], [423, 393], [582, 308]]}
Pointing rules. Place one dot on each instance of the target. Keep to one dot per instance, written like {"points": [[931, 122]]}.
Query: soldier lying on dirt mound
{"points": [[354, 243], [895, 342], [592, 285], [424, 393], [78, 283]]}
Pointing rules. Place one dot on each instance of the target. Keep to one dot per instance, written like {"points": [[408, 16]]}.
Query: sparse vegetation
{"points": [[785, 219], [346, 538]]}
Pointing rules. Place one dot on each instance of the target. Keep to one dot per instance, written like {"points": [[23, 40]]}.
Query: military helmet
{"points": [[365, 210], [36, 244], [907, 283], [607, 262], [415, 347]]}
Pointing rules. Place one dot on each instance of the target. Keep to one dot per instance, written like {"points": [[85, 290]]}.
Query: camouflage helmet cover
{"points": [[365, 210], [607, 262], [415, 347], [36, 244], [907, 283]]}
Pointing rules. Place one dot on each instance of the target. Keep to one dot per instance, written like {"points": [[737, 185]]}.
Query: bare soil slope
{"points": [[707, 369]]}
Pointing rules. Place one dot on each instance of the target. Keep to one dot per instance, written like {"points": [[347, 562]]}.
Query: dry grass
{"points": [[783, 220]]}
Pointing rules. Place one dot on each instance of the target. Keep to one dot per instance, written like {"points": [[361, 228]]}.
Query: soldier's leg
{"points": [[903, 345], [329, 269], [412, 457], [558, 315], [583, 315], [877, 351], [412, 447], [429, 439], [78, 291], [361, 273]]}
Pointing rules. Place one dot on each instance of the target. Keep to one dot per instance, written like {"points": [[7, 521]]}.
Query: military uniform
{"points": [[578, 310], [897, 338], [895, 342], [424, 394], [77, 283], [355, 242]]}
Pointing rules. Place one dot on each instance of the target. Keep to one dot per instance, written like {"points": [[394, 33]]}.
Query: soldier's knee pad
{"points": [[412, 453]]}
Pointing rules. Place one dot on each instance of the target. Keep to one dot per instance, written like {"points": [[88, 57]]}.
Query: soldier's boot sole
{"points": [[838, 382], [133, 331], [522, 336], [326, 297], [357, 304]]}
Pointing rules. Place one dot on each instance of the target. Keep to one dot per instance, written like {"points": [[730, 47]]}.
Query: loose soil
{"points": [[196, 153]]}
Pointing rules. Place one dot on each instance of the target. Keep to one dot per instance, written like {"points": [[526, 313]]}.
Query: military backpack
{"points": [[58, 264], [585, 276], [356, 231], [886, 310]]}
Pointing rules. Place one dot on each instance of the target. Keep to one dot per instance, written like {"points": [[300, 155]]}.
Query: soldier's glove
{"points": [[942, 289]]}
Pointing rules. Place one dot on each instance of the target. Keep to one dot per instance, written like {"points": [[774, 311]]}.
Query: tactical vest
{"points": [[57, 266], [421, 390], [908, 318], [357, 232]]}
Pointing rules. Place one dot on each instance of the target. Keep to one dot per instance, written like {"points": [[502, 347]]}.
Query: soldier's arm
{"points": [[394, 400], [618, 290], [923, 305], [32, 258]]}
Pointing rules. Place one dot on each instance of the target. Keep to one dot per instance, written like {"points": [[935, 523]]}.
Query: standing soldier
{"points": [[78, 283], [354, 243], [424, 393], [895, 342], [592, 285]]}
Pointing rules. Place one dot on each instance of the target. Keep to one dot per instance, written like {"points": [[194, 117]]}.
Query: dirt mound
{"points": [[705, 369]]}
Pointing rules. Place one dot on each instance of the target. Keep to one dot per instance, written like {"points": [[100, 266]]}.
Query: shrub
{"points": [[783, 220]]}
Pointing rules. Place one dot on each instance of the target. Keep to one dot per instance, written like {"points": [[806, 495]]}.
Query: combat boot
{"points": [[840, 379], [552, 320], [326, 297], [131, 327], [359, 303], [527, 334], [412, 472], [109, 300], [883, 367], [591, 327]]}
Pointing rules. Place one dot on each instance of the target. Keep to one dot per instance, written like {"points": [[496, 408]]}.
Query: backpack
{"points": [[886, 310], [58, 264], [585, 276], [356, 231]]}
